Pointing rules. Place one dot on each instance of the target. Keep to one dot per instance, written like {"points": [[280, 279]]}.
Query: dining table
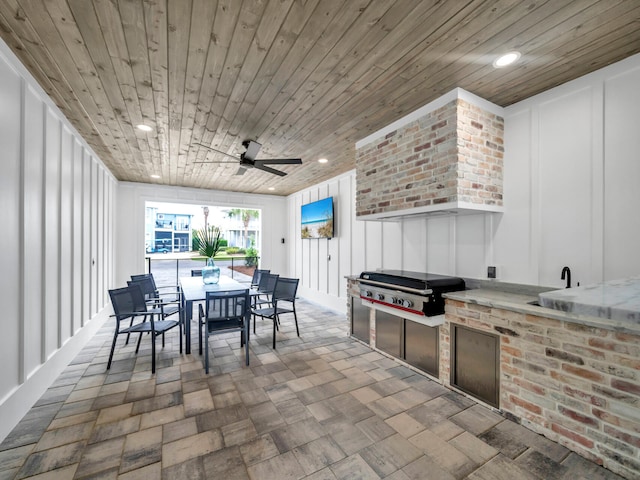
{"points": [[195, 290]]}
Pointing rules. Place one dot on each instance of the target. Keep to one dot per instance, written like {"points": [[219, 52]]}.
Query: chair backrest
{"points": [[127, 300], [146, 285], [232, 304], [268, 283], [149, 276], [286, 289], [257, 274]]}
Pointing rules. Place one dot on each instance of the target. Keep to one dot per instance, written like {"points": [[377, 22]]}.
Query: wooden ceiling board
{"points": [[305, 78]]}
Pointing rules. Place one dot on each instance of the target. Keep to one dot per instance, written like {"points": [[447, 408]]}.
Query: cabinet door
{"points": [[421, 347], [476, 366], [389, 333], [359, 320]]}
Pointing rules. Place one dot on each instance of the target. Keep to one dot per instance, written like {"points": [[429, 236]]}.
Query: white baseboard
{"points": [[18, 402]]}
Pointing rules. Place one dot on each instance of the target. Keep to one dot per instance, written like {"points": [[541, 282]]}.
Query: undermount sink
{"points": [[535, 303], [613, 300]]}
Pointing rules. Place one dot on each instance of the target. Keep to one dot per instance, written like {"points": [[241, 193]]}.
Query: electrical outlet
{"points": [[492, 272]]}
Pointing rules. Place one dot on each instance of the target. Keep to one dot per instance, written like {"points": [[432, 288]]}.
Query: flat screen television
{"points": [[317, 219]]}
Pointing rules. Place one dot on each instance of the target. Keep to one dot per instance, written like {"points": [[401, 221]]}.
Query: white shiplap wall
{"points": [[571, 194], [57, 252]]}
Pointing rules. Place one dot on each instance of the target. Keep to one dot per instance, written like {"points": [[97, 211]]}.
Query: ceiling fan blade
{"points": [[212, 161], [269, 170], [279, 161], [252, 149], [217, 151]]}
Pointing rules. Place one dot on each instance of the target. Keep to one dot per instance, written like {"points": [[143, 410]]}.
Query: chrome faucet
{"points": [[566, 272]]}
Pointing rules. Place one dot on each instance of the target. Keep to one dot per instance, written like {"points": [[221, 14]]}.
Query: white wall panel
{"points": [[373, 245], [66, 234], [39, 191], [93, 279], [51, 319], [86, 236], [100, 241], [438, 241], [333, 248], [565, 168], [77, 237], [392, 245], [470, 246], [621, 175], [343, 208], [415, 255], [34, 241], [10, 179], [513, 250]]}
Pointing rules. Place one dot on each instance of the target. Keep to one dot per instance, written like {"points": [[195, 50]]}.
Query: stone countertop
{"points": [[615, 300], [519, 302]]}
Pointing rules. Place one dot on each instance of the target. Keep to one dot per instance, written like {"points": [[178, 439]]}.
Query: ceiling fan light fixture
{"points": [[144, 128], [323, 160], [506, 59]]}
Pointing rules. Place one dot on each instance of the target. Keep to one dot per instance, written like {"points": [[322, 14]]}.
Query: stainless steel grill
{"points": [[412, 295]]}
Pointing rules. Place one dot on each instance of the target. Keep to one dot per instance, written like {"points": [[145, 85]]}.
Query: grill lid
{"points": [[415, 280]]}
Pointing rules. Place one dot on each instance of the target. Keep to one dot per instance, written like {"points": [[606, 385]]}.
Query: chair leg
{"points": [[113, 347], [180, 329], [162, 339], [139, 340], [206, 353], [275, 319], [153, 352], [295, 317], [246, 345], [200, 335]]}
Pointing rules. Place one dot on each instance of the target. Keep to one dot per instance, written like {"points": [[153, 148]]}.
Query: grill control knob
{"points": [[379, 296], [395, 300], [368, 293], [407, 303]]}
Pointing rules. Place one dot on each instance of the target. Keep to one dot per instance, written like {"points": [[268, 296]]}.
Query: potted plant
{"points": [[207, 239]]}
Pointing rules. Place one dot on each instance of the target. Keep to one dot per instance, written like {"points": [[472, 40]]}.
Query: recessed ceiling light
{"points": [[506, 59], [322, 160], [144, 128], [155, 176], [271, 188]]}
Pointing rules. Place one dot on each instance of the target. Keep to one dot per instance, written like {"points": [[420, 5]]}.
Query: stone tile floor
{"points": [[322, 406]]}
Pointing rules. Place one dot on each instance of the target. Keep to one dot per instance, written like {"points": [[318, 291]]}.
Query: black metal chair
{"points": [[168, 303], [284, 301], [166, 290], [257, 274], [225, 312], [129, 303], [261, 297]]}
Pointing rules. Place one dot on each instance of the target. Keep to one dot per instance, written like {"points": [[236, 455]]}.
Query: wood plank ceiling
{"points": [[306, 78]]}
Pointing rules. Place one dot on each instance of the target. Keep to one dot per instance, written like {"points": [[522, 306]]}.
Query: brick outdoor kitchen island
{"points": [[571, 377]]}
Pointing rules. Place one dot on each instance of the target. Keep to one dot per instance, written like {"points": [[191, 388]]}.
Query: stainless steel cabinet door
{"points": [[389, 333]]}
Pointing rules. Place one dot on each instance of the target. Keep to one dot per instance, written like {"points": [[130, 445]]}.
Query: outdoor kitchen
{"points": [[563, 363]]}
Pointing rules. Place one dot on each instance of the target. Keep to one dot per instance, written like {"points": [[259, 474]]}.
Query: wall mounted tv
{"points": [[317, 219]]}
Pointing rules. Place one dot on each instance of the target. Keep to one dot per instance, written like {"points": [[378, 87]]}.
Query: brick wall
{"points": [[451, 154], [577, 385]]}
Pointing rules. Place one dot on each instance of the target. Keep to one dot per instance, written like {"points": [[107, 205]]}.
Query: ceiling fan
{"points": [[248, 159]]}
